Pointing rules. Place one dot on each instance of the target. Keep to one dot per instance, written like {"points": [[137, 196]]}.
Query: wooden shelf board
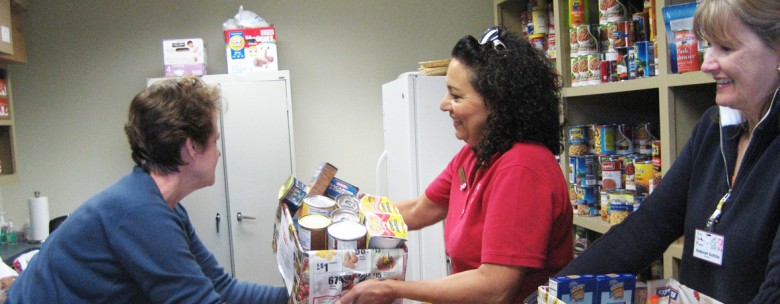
{"points": [[593, 223], [613, 87]]}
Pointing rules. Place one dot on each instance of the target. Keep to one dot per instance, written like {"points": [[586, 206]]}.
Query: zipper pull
{"points": [[715, 217]]}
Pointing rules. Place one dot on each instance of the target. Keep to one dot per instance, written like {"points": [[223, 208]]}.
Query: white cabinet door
{"points": [[258, 159]]}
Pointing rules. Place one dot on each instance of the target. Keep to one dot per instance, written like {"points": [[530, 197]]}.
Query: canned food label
{"points": [[604, 140], [624, 144], [611, 180], [312, 231], [572, 169], [578, 12], [594, 67], [643, 174], [612, 10], [578, 135], [588, 44], [292, 193], [582, 68], [645, 59], [338, 186], [587, 201]]}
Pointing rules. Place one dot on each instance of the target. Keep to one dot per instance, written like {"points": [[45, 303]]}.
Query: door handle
{"points": [[218, 219], [240, 217]]}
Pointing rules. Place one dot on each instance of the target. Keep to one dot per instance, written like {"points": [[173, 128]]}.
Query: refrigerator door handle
{"points": [[379, 162]]}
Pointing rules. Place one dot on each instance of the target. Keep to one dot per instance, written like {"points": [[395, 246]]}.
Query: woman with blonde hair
{"points": [[723, 191]]}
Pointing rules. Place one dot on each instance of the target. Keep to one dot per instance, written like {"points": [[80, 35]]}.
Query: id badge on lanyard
{"points": [[707, 245]]}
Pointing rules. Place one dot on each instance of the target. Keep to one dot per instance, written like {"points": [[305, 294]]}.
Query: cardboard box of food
{"points": [[251, 49], [322, 276], [184, 57]]}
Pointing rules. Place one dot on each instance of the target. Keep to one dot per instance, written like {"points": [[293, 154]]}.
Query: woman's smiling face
{"points": [[465, 105], [744, 68]]}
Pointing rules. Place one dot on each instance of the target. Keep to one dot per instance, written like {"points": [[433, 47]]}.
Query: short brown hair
{"points": [[760, 16], [164, 115]]}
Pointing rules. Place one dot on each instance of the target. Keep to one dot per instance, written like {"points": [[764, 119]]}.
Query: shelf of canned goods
{"points": [[671, 102]]}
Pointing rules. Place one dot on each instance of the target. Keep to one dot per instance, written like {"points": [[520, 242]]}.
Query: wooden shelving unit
{"points": [[674, 101]]}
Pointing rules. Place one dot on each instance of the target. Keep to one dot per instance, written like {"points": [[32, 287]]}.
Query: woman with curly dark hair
{"points": [[503, 197]]}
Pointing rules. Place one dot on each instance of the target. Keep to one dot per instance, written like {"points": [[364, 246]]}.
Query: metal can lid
{"points": [[345, 214], [347, 230], [319, 201], [347, 201], [314, 221]]}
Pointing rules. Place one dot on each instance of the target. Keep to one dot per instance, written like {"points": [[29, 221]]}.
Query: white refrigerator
{"points": [[419, 142]]}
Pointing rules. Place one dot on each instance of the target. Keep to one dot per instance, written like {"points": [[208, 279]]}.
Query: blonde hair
{"points": [[713, 19]]}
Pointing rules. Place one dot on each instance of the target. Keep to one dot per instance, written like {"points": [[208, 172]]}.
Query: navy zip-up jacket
{"points": [[685, 199]]}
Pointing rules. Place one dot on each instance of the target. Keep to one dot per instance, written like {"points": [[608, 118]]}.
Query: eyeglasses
{"points": [[491, 35]]}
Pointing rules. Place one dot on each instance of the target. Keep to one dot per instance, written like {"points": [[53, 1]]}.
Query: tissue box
{"points": [[184, 57], [251, 49]]}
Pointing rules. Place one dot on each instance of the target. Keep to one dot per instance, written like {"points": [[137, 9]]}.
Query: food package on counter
{"points": [[323, 276], [670, 291], [322, 178], [587, 289], [386, 227], [184, 57], [615, 288], [573, 288], [338, 186]]}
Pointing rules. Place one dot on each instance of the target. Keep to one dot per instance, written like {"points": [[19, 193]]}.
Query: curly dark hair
{"points": [[520, 90], [164, 115]]}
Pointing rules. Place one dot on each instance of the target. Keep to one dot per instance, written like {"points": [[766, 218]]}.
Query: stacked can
{"points": [[328, 224], [541, 29], [585, 66], [624, 44], [608, 165]]}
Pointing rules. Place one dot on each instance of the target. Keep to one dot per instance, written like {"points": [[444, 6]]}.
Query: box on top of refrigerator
{"points": [[251, 49], [184, 57]]}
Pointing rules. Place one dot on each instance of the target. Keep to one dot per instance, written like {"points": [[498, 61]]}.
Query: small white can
{"points": [[317, 204], [345, 235]]}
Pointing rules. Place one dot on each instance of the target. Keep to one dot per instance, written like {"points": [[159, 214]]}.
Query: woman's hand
{"points": [[371, 291], [6, 282]]}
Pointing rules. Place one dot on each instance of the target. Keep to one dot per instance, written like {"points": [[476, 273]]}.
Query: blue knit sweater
{"points": [[126, 245], [688, 195]]}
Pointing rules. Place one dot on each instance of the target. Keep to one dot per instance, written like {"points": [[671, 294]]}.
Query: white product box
{"points": [[184, 57], [251, 49]]}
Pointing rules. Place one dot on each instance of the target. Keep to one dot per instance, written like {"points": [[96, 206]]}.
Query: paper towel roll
{"points": [[39, 218]]}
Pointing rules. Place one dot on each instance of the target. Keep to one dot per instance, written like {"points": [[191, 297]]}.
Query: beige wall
{"points": [[87, 59]]}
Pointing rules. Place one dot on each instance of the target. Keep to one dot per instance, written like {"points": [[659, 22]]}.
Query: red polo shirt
{"points": [[517, 213]]}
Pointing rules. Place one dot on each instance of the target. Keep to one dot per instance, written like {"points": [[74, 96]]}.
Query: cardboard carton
{"points": [[184, 57], [251, 49], [322, 276]]}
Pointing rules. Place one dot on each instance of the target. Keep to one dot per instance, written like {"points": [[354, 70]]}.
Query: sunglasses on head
{"points": [[491, 35]]}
